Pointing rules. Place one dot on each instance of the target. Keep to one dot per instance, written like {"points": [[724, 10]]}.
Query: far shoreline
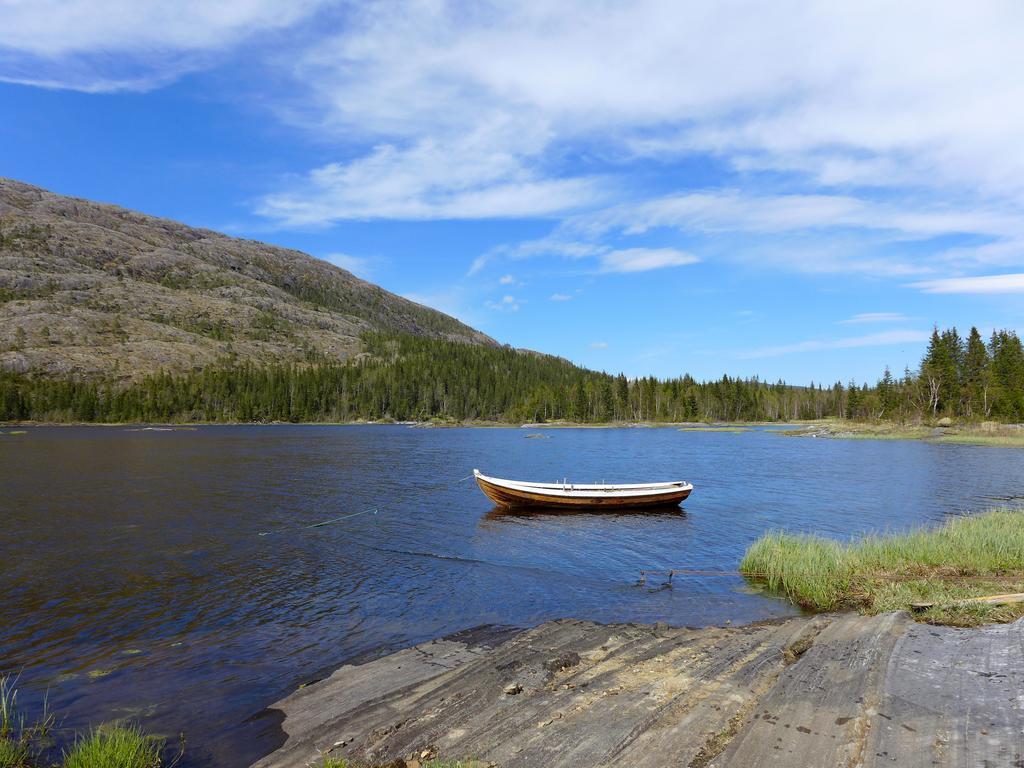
{"points": [[993, 434], [940, 431]]}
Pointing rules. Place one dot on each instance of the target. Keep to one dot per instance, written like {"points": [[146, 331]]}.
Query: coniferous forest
{"points": [[405, 377]]}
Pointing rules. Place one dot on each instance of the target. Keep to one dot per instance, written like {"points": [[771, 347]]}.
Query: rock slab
{"points": [[828, 691]]}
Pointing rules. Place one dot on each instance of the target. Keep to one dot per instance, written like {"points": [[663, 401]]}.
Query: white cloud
{"points": [[875, 317], [116, 45], [472, 176], [1012, 283], [506, 280], [561, 297], [884, 338], [827, 91], [507, 303], [452, 300], [432, 110], [644, 259], [733, 211], [599, 345], [552, 245], [359, 265]]}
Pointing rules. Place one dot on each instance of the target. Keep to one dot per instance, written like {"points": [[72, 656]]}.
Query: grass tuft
{"points": [[14, 745], [1006, 436], [13, 753], [116, 747], [965, 557]]}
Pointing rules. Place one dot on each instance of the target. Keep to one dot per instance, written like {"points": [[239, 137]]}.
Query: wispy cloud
{"points": [[506, 280], [884, 338], [359, 265], [645, 259], [835, 139], [732, 80], [452, 300], [875, 317], [729, 81], [730, 211], [1011, 283], [507, 303], [483, 174], [552, 245], [560, 297], [599, 345], [129, 45]]}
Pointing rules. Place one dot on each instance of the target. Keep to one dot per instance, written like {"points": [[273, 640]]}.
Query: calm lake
{"points": [[136, 583]]}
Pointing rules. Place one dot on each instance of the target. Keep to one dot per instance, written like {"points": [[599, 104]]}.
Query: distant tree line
{"points": [[415, 378], [958, 378]]}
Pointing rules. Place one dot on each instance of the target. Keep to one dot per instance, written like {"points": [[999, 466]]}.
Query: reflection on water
{"points": [[497, 513], [136, 583]]}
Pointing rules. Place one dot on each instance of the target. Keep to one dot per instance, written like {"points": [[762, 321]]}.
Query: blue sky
{"points": [[792, 190]]}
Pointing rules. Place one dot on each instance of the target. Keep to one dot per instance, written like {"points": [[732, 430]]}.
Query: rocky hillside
{"points": [[91, 289]]}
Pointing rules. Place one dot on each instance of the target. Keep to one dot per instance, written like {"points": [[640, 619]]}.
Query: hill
{"points": [[96, 291], [111, 315]]}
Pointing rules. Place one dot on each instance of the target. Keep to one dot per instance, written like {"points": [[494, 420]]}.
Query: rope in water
{"points": [[368, 510]]}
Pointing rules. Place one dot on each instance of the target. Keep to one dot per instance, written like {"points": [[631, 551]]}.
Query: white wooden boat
{"points": [[516, 493]]}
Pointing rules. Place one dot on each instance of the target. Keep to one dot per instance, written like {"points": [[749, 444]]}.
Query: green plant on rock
{"points": [[14, 753], [115, 747], [943, 566]]}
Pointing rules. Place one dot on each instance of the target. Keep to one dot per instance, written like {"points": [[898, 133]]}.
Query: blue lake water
{"points": [[136, 583]]}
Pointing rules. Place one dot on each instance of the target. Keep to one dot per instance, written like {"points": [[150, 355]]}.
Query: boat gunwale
{"points": [[589, 491]]}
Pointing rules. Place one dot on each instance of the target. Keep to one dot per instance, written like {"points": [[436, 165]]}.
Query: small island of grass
{"points": [[965, 558], [943, 431]]}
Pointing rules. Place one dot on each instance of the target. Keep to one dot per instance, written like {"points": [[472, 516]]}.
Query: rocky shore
{"points": [[828, 690]]}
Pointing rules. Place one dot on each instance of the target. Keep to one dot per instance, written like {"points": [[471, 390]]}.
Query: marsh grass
{"points": [[14, 745], [24, 745], [724, 429], [965, 557], [115, 747], [1002, 440], [963, 434], [20, 742], [13, 753]]}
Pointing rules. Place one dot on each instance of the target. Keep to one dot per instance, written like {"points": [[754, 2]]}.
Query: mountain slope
{"points": [[97, 290]]}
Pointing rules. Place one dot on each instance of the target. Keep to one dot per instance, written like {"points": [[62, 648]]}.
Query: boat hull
{"points": [[525, 497]]}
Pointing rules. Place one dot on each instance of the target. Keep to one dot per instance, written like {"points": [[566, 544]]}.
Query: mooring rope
{"points": [[368, 510]]}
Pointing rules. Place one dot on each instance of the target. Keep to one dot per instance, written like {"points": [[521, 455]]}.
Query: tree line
{"points": [[406, 377]]}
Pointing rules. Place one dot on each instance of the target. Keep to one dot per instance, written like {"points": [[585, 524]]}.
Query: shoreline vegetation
{"points": [[122, 744], [412, 378], [941, 432], [943, 567], [25, 744]]}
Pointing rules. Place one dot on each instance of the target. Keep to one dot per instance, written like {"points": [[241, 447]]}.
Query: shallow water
{"points": [[136, 582]]}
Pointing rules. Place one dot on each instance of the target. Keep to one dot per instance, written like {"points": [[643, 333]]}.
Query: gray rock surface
{"points": [[96, 290], [834, 690]]}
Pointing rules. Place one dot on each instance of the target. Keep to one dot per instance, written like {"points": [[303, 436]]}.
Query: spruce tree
{"points": [[977, 377]]}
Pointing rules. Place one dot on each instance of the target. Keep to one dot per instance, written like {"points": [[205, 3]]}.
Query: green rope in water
{"points": [[365, 511]]}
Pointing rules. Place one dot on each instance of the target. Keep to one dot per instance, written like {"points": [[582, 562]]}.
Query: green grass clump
{"points": [[13, 753], [724, 430], [19, 741], [1015, 440], [966, 557], [117, 747]]}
